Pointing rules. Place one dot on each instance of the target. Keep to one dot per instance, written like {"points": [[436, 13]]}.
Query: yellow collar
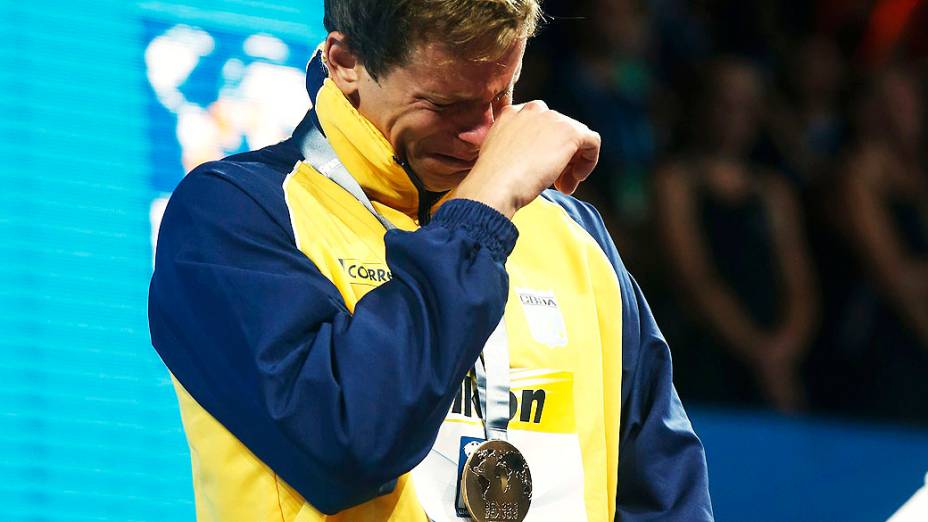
{"points": [[364, 151]]}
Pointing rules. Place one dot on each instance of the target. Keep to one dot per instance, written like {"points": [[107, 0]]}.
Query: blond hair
{"points": [[383, 33]]}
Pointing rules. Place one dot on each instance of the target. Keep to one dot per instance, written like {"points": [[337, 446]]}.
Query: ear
{"points": [[344, 67]]}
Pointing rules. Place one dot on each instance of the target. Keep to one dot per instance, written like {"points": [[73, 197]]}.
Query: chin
{"points": [[438, 176]]}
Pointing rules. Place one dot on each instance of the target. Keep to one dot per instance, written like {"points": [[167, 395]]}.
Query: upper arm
{"points": [[871, 229], [678, 225], [789, 240]]}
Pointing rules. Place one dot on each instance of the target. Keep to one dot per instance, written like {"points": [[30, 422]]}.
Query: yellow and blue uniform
{"points": [[321, 363]]}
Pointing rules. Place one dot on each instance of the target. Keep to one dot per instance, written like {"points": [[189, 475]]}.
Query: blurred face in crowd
{"points": [[735, 107], [436, 108], [620, 26], [820, 69], [902, 104]]}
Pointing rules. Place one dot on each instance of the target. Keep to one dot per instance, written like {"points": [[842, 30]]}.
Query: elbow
{"points": [[341, 465], [366, 459], [353, 491], [379, 453], [346, 480], [359, 466]]}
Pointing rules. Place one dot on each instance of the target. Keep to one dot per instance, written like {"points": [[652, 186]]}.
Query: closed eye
{"points": [[436, 105]]}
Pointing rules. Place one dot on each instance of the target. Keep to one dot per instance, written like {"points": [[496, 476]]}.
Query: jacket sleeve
{"points": [[662, 464], [337, 404]]}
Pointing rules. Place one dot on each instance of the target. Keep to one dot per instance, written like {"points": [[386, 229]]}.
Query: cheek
{"points": [[423, 132]]}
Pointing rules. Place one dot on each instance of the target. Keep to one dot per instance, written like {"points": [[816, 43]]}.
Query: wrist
{"points": [[482, 223], [492, 195]]}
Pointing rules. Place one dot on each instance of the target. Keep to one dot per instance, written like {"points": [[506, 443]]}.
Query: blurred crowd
{"points": [[764, 178]]}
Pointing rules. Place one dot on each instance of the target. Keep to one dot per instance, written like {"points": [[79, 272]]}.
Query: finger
{"points": [[568, 186], [532, 106], [584, 160], [587, 155], [567, 182]]}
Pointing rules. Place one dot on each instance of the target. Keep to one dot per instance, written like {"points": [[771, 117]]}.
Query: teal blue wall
{"points": [[89, 428]]}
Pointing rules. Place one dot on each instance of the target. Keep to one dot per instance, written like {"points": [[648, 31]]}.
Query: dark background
{"points": [[764, 177]]}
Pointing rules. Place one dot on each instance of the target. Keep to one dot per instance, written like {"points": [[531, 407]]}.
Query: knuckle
{"points": [[508, 111], [567, 125], [537, 105]]}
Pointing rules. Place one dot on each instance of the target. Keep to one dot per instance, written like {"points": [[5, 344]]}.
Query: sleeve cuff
{"points": [[480, 222]]}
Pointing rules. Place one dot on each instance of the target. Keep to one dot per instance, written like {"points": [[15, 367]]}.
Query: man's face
{"points": [[436, 109]]}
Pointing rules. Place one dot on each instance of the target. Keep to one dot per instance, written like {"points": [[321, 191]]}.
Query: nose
{"points": [[477, 131]]}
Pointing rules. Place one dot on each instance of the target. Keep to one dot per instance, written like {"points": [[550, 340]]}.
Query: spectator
{"points": [[735, 242], [808, 123], [884, 197]]}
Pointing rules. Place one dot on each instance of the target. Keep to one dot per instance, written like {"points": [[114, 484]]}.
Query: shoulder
{"points": [[259, 173], [586, 215], [580, 211], [244, 187]]}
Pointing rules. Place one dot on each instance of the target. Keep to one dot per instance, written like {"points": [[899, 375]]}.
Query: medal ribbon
{"points": [[319, 153], [491, 378]]}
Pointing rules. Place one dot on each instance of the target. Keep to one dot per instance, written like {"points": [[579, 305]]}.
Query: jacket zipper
{"points": [[426, 198]]}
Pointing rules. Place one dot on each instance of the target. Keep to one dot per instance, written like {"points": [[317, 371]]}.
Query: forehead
{"points": [[433, 68]]}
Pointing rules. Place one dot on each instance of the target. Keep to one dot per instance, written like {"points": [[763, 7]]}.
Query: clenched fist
{"points": [[528, 149]]}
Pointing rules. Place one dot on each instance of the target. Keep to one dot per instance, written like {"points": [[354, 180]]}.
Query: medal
{"points": [[496, 485]]}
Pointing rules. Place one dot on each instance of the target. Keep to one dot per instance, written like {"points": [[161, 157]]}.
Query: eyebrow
{"points": [[464, 99], [451, 99]]}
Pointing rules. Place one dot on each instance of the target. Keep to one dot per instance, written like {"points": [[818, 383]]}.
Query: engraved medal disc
{"points": [[496, 484]]}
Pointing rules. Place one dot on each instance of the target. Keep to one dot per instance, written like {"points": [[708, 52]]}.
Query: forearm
{"points": [[800, 318], [725, 316]]}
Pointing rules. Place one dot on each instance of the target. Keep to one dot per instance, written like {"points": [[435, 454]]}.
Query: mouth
{"points": [[455, 161]]}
